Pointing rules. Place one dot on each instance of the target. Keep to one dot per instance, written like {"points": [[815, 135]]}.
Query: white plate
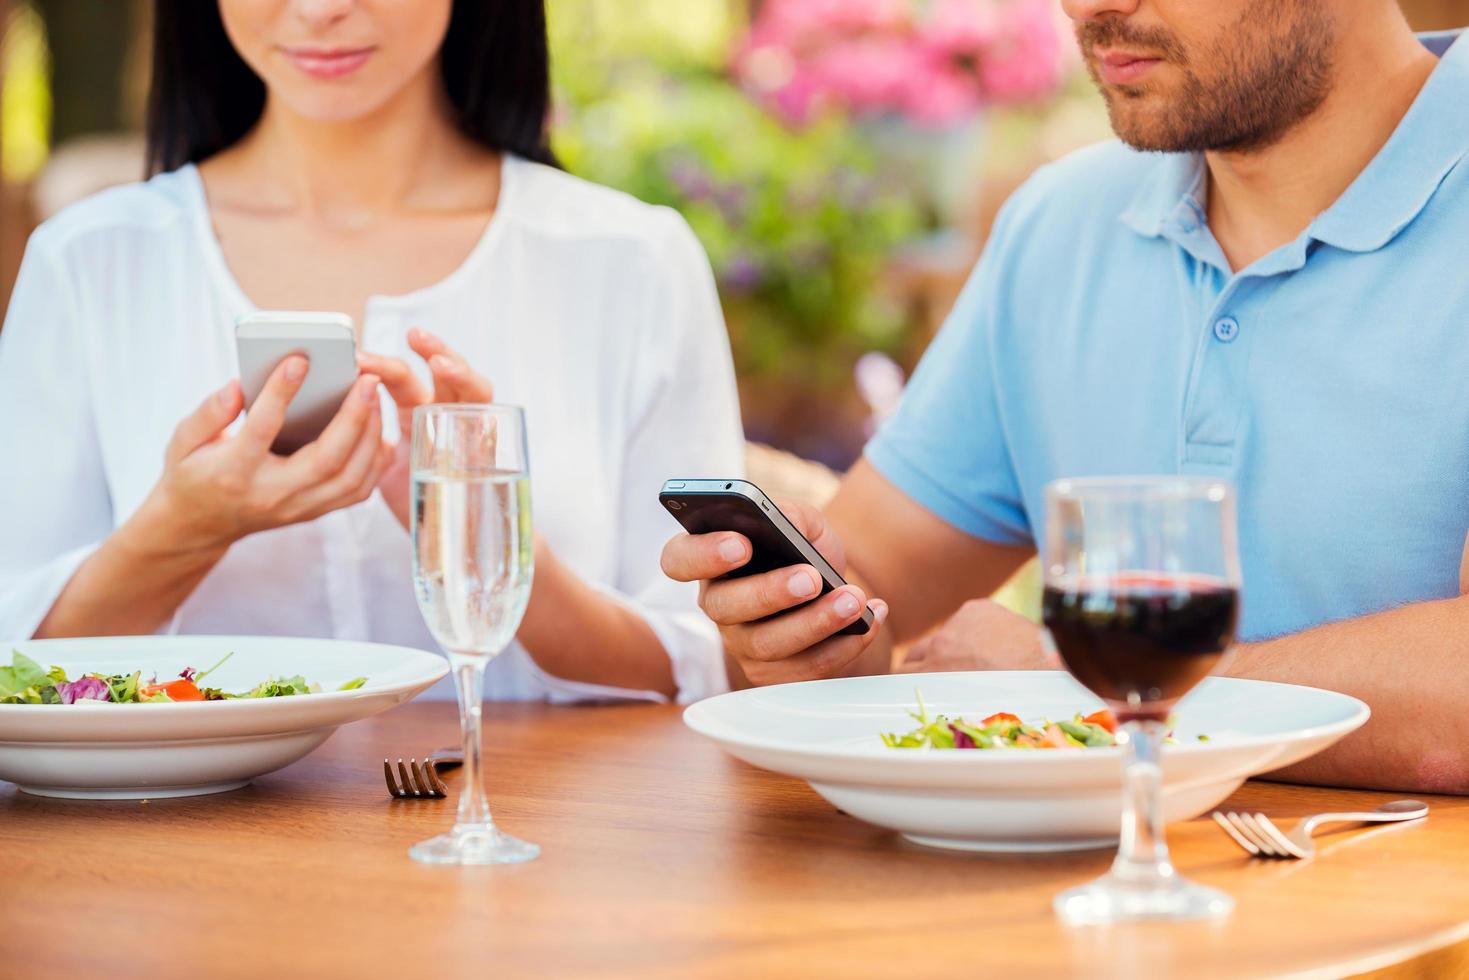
{"points": [[826, 732], [93, 750]]}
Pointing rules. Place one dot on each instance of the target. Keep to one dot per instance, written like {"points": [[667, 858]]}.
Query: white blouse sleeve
{"points": [[686, 423], [54, 505]]}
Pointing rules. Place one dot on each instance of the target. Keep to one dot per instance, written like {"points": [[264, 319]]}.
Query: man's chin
{"points": [[1140, 129]]}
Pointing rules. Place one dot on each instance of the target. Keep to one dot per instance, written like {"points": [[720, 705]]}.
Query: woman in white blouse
{"points": [[388, 161]]}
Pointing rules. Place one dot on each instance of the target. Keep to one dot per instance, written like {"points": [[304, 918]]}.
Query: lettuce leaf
{"points": [[23, 679]]}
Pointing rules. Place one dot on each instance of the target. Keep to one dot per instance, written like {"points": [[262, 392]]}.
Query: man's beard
{"points": [[1270, 70]]}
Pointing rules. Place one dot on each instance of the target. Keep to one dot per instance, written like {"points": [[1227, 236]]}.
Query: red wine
{"points": [[1141, 642]]}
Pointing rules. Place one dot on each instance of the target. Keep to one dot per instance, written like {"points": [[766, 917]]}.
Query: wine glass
{"points": [[472, 565], [1141, 597]]}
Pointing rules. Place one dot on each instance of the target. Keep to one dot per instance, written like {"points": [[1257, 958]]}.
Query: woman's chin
{"points": [[331, 102]]}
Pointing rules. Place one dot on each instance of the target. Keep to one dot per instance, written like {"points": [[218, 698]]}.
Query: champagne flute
{"points": [[472, 565], [1141, 598]]}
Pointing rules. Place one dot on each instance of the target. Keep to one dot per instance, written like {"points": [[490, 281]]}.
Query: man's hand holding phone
{"points": [[771, 642]]}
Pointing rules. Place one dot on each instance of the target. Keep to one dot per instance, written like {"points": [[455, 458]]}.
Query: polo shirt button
{"points": [[1226, 328]]}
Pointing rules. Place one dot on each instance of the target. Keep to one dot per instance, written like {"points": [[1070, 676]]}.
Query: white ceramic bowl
{"points": [[92, 750], [826, 732]]}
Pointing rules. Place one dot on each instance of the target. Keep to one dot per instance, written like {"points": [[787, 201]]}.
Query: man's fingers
{"points": [[266, 416], [205, 423], [811, 522], [744, 600], [694, 557], [324, 458], [827, 659], [791, 633]]}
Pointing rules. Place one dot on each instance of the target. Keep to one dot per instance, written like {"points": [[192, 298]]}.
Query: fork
{"points": [[420, 780], [1261, 838]]}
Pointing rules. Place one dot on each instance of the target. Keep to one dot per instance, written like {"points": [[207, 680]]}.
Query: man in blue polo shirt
{"points": [[1267, 280]]}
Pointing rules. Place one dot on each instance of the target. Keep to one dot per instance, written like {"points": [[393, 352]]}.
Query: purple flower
{"points": [[86, 689], [188, 673], [741, 273], [691, 179]]}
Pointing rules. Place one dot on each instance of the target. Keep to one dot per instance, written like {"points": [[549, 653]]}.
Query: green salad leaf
{"points": [[20, 683]]}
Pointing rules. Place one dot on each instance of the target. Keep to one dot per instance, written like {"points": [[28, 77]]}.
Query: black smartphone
{"points": [[703, 506]]}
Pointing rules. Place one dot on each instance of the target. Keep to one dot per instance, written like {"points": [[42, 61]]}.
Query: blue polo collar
{"points": [[1431, 139]]}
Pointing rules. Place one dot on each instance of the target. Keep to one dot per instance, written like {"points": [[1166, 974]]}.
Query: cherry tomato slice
{"points": [[1104, 718], [179, 690], [1000, 716]]}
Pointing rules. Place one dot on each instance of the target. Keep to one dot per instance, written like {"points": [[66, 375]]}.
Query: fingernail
{"points": [[731, 549], [441, 363], [295, 368], [879, 610], [801, 584], [847, 605], [224, 394], [368, 387]]}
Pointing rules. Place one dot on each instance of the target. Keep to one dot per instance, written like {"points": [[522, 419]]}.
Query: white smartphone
{"points": [[328, 343]]}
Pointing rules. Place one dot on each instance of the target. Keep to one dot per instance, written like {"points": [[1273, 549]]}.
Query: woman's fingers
{"points": [[323, 459], [454, 381], [264, 420], [354, 480], [402, 384], [206, 423]]}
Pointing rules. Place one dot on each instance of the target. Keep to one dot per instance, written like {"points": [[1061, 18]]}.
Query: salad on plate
{"points": [[1004, 730], [26, 682]]}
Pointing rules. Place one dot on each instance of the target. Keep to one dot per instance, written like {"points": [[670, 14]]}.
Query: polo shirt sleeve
{"points": [[946, 445]]}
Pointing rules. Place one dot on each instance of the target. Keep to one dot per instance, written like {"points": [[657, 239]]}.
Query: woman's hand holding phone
{"points": [[453, 381], [771, 642], [218, 488]]}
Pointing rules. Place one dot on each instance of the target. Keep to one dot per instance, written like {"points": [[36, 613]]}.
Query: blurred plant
{"points": [[797, 224], [25, 95], [935, 63], [779, 142]]}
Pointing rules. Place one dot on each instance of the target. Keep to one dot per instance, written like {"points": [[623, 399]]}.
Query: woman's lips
{"points": [[328, 63], [1124, 67]]}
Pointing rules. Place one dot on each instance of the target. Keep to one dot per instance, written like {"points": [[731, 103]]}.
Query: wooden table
{"points": [[662, 858]]}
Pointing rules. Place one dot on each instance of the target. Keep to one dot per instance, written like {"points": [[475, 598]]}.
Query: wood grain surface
{"points": [[663, 858]]}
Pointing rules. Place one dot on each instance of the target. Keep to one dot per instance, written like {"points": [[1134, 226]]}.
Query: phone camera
{"points": [[675, 505]]}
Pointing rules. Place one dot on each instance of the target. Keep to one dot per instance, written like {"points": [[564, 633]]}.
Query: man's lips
{"points": [[1124, 67], [328, 62]]}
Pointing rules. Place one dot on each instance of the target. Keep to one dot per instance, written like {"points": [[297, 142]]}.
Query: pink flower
{"points": [[934, 61], [959, 27]]}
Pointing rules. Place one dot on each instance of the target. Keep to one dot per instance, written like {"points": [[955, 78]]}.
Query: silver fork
{"points": [[420, 780], [1261, 838]]}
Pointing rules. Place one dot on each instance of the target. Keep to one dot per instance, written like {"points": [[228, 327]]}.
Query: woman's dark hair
{"points": [[203, 97]]}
